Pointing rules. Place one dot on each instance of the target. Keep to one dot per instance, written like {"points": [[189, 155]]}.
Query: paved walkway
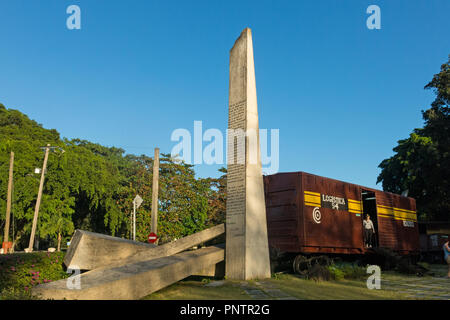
{"points": [[434, 288]]}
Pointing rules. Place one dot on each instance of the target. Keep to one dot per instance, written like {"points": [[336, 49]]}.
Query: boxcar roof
{"points": [[360, 186]]}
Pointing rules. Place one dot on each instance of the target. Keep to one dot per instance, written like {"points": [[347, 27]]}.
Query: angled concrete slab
{"points": [[134, 280], [89, 251], [217, 271]]}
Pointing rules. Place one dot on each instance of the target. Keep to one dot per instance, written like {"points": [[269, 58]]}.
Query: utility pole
{"points": [[155, 187], [38, 202], [8, 201]]}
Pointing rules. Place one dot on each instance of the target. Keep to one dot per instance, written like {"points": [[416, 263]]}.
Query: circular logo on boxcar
{"points": [[316, 215]]}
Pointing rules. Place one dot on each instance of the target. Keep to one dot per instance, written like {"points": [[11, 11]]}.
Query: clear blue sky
{"points": [[340, 94]]}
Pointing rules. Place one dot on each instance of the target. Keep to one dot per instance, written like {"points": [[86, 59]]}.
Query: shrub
{"points": [[206, 280], [387, 258], [354, 272], [342, 271], [390, 260], [336, 273], [279, 276], [424, 265], [318, 273]]}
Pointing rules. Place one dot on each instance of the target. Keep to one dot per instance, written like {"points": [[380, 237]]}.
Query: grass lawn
{"points": [[288, 283], [196, 290], [326, 290], [20, 272]]}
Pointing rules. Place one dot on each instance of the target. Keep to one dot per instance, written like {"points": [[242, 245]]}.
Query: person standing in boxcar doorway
{"points": [[446, 248], [369, 231]]}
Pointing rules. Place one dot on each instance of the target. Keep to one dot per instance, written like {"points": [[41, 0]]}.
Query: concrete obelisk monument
{"points": [[247, 251]]}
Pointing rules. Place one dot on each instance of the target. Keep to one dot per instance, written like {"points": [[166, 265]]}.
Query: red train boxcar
{"points": [[307, 213]]}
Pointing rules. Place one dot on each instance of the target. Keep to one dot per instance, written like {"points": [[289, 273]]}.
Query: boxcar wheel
{"points": [[321, 260], [301, 264]]}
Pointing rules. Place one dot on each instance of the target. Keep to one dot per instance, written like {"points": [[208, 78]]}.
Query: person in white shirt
{"points": [[369, 231]]}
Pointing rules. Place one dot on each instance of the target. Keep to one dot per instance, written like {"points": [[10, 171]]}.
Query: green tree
{"points": [[91, 187], [217, 198]]}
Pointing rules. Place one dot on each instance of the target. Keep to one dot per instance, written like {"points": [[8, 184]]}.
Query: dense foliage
{"points": [[421, 162], [345, 270], [91, 187]]}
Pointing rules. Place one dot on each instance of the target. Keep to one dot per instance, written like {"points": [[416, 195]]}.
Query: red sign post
{"points": [[152, 237]]}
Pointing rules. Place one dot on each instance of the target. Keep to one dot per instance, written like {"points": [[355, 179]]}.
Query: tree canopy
{"points": [[421, 163]]}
